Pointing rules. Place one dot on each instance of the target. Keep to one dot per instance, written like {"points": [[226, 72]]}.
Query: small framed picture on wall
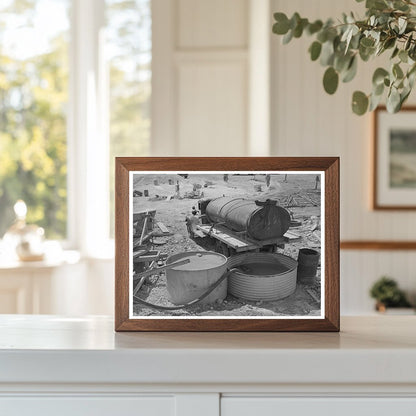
{"points": [[394, 177]]}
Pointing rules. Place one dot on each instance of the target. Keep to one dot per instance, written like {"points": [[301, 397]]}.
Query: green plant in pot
{"points": [[389, 27], [387, 294]]}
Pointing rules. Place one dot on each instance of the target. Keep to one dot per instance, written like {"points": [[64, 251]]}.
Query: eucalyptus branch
{"points": [[389, 25]]}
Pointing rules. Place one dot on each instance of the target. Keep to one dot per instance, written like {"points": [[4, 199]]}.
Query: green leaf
{"points": [[402, 24], [412, 52], [295, 20], [397, 71], [348, 35], [389, 43], [281, 27], [351, 71], [330, 80], [404, 96], [378, 89], [288, 37], [367, 42], [298, 30], [393, 101], [395, 52], [379, 75], [359, 103], [315, 50], [366, 48], [332, 33], [400, 5], [412, 70], [411, 76], [327, 53], [403, 56], [314, 27], [374, 101], [366, 53], [322, 36], [355, 41], [336, 42], [408, 42], [376, 4]]}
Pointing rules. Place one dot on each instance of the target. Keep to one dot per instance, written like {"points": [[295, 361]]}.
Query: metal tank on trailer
{"points": [[262, 220]]}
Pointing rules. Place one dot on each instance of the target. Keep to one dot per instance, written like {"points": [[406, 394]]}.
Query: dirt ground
{"points": [[172, 213]]}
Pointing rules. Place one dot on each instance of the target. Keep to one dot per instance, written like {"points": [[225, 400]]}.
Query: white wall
{"points": [[308, 122], [211, 72], [200, 77]]}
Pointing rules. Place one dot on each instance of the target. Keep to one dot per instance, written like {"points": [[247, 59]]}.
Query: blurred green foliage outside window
{"points": [[34, 91], [33, 100]]}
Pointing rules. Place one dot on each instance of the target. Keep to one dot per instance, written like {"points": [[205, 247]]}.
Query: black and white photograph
{"points": [[403, 158], [226, 244], [394, 177]]}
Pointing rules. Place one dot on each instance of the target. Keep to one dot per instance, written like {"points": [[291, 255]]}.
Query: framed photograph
{"points": [[227, 244], [394, 176]]}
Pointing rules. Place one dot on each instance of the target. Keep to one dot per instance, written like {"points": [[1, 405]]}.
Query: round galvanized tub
{"points": [[262, 276], [189, 281], [261, 223]]}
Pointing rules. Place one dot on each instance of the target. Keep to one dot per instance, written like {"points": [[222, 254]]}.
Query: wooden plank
{"points": [[198, 233], [162, 227], [232, 238], [143, 229], [141, 214], [291, 237], [221, 236], [140, 253], [230, 241]]}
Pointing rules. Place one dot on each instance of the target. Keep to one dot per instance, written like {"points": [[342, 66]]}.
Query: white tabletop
{"points": [[86, 349]]}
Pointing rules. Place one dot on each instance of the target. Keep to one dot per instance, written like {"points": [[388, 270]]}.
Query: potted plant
{"points": [[389, 27], [387, 294]]}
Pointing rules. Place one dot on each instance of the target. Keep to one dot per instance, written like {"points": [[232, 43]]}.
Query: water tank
{"points": [[262, 220]]}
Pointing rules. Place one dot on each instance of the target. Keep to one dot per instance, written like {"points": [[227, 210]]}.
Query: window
{"points": [[129, 43], [33, 101], [75, 87]]}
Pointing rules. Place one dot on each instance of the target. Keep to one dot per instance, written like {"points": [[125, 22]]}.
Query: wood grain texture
{"points": [[121, 244], [329, 165], [378, 245], [376, 205]]}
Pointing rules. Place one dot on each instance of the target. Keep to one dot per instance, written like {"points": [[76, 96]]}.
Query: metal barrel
{"points": [[261, 222], [308, 260]]}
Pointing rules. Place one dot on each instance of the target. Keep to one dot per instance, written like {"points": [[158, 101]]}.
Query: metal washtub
{"points": [[275, 279], [187, 282]]}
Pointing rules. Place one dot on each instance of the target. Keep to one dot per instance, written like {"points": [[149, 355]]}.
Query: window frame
{"points": [[87, 133]]}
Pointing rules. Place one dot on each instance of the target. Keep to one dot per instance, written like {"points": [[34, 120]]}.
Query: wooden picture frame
{"points": [[244, 171], [391, 172]]}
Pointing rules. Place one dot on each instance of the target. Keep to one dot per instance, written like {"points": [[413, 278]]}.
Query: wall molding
{"points": [[378, 245]]}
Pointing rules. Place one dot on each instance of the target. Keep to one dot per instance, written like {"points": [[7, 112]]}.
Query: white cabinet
{"points": [[88, 406], [79, 366], [324, 406]]}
